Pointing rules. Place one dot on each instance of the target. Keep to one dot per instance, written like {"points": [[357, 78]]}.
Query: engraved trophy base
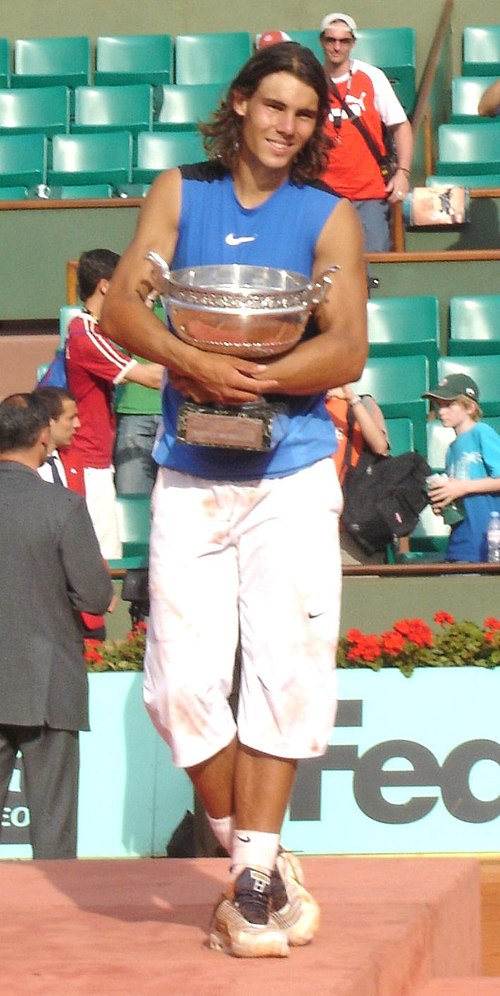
{"points": [[242, 427]]}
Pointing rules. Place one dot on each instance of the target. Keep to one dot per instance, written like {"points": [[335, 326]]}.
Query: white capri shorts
{"points": [[257, 561], [100, 496]]}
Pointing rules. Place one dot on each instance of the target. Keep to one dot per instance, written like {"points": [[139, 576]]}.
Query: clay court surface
{"points": [[390, 927]]}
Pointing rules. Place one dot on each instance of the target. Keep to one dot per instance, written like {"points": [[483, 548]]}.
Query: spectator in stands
{"points": [[359, 424], [362, 101], [489, 104], [59, 469], [138, 416], [51, 571], [94, 367], [248, 539], [271, 38], [64, 421], [472, 467]]}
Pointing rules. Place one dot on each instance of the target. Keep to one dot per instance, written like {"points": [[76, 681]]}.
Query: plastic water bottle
{"points": [[494, 538]]}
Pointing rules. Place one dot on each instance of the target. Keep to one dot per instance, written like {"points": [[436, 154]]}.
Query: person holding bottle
{"points": [[472, 468]]}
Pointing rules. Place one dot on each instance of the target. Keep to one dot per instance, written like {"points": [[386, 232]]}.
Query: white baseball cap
{"points": [[348, 21]]}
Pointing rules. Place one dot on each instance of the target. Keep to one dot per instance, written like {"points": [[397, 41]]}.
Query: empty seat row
{"points": [[94, 157], [125, 59], [135, 107], [190, 59]]}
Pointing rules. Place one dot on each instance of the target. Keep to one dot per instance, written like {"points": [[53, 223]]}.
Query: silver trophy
{"points": [[249, 311]]}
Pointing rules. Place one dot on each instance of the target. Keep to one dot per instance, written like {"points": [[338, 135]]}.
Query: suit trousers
{"points": [[51, 765]]}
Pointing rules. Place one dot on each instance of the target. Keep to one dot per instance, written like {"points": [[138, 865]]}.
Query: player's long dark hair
{"points": [[222, 133]]}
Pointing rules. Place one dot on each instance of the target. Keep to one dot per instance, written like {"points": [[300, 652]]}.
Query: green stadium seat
{"points": [[134, 190], [23, 160], [134, 524], [42, 109], [405, 325], [439, 438], [66, 314], [80, 191], [211, 58], [400, 433], [51, 61], [393, 51], [397, 383], [485, 370], [428, 541], [157, 151], [92, 157], [474, 180], [310, 39], [13, 193], [466, 92], [481, 50], [4, 62], [113, 108], [121, 59], [181, 107], [474, 325], [469, 148]]}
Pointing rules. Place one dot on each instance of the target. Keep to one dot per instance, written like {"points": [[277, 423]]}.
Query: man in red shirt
{"points": [[353, 170], [94, 366]]}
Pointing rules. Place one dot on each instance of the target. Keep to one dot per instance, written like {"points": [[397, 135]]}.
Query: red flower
{"points": [[415, 630], [365, 648], [392, 643], [492, 623], [444, 619], [140, 627]]}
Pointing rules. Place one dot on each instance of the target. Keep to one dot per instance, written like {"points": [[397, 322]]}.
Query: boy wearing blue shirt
{"points": [[472, 466]]}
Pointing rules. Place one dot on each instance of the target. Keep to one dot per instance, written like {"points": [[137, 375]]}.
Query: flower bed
{"points": [[409, 644], [118, 655], [412, 643]]}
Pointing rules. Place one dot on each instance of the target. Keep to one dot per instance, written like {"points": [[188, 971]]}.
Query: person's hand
{"points": [[398, 187], [223, 379], [446, 491]]}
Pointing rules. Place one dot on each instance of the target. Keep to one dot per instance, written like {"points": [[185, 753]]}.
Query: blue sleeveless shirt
{"points": [[282, 232]]}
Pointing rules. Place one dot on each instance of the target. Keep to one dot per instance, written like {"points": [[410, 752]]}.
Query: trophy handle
{"points": [[160, 272], [320, 288]]}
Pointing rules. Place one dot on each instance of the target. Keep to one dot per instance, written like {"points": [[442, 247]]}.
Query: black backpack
{"points": [[383, 496]]}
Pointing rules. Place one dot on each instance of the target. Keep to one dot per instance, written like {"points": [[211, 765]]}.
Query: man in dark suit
{"points": [[51, 570]]}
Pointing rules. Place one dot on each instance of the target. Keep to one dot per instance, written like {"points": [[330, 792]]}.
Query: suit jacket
{"points": [[50, 570]]}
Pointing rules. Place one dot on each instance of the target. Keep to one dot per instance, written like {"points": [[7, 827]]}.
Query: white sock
{"points": [[253, 849], [222, 829]]}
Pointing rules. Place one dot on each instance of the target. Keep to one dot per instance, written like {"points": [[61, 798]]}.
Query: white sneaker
{"points": [[293, 909], [241, 924]]}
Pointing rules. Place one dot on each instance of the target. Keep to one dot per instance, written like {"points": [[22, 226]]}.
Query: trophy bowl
{"points": [[248, 311]]}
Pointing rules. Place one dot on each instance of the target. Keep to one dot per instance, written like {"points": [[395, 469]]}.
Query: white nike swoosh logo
{"points": [[233, 240]]}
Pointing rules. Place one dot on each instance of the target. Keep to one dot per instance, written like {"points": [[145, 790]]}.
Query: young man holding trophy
{"points": [[244, 542]]}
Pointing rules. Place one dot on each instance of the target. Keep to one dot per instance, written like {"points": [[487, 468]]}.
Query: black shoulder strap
{"points": [[350, 438], [357, 122]]}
